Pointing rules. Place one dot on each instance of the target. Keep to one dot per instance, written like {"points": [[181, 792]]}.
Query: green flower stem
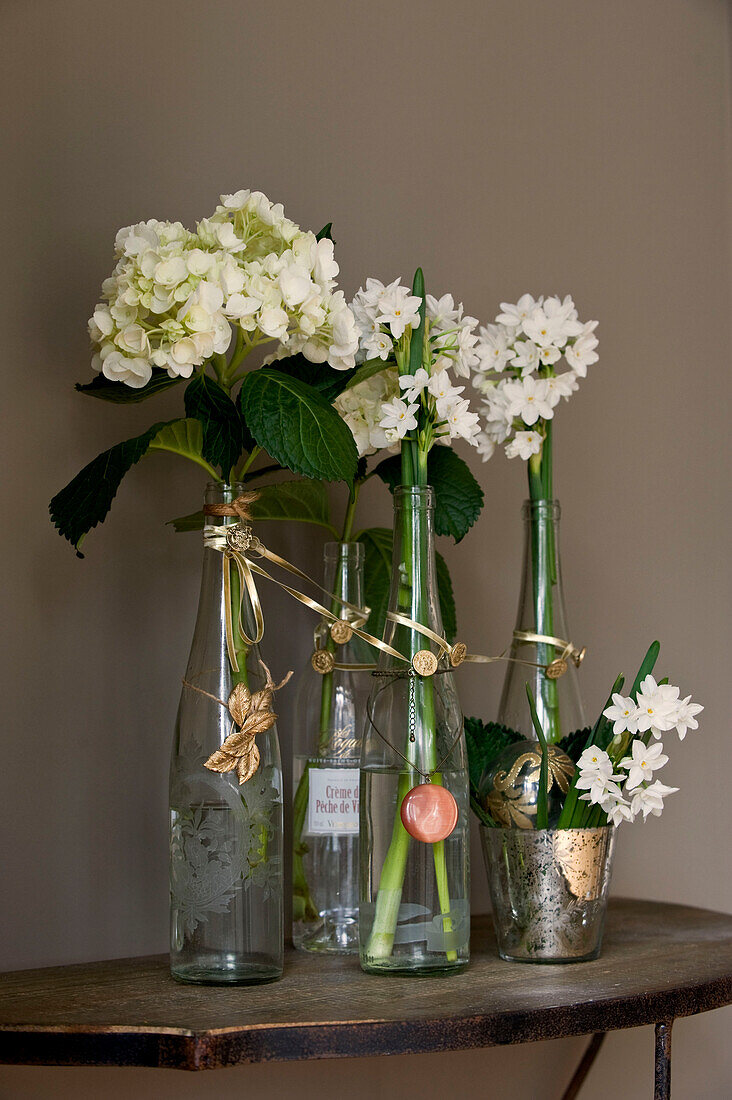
{"points": [[303, 907], [240, 647], [242, 471], [413, 598], [544, 574]]}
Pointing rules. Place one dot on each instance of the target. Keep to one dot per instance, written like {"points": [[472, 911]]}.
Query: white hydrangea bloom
{"points": [[361, 408], [175, 296], [517, 366]]}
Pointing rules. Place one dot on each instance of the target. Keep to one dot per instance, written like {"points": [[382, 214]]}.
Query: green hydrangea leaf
{"points": [[301, 501], [121, 394], [297, 426], [86, 500], [328, 382], [458, 496], [378, 543], [223, 432], [447, 599]]}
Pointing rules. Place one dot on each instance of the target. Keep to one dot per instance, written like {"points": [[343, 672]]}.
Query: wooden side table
{"points": [[659, 962]]}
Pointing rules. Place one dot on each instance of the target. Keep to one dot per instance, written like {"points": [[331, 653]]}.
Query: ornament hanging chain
{"points": [[412, 677]]}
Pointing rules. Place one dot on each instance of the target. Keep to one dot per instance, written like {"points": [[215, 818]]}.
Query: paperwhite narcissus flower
{"points": [[528, 399], [514, 316], [399, 309], [655, 708], [650, 799], [581, 354], [617, 810], [526, 356], [643, 761], [599, 787], [595, 761], [622, 714], [527, 342], [484, 445], [685, 716], [461, 423], [524, 445], [398, 416], [413, 384]]}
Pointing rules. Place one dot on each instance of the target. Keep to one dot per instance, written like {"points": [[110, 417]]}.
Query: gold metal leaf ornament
{"points": [[253, 714], [239, 703]]}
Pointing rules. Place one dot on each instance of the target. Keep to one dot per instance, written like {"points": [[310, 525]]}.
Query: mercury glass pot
{"points": [[226, 889]]}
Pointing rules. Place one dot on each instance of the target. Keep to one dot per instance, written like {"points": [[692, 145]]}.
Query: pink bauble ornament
{"points": [[429, 813]]}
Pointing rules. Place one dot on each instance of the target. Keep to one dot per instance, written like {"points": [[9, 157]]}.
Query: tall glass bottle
{"points": [[414, 900], [225, 838], [331, 703], [541, 611]]}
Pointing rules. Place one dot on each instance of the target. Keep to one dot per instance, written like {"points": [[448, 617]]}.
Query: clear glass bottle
{"points": [[541, 611], [225, 838], [414, 914], [327, 745]]}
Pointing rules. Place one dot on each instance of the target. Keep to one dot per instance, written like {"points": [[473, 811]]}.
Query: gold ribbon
{"points": [[569, 651], [237, 541]]}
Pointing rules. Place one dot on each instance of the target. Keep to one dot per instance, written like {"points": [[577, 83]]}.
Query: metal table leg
{"points": [[584, 1067], [662, 1078]]}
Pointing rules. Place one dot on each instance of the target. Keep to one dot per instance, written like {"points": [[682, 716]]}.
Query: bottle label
{"points": [[333, 801]]}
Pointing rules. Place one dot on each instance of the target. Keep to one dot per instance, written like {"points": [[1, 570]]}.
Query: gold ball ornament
{"points": [[341, 632], [424, 663], [322, 661]]}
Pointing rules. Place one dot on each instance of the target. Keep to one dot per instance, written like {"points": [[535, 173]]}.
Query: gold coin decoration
{"points": [[322, 661], [578, 658], [557, 668], [341, 632], [238, 537], [424, 663], [458, 653]]}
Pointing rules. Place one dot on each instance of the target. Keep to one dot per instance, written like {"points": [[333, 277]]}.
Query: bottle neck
{"points": [[413, 590], [541, 604], [210, 631], [343, 565]]}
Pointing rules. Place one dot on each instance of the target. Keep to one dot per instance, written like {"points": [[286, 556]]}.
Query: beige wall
{"points": [[574, 146]]}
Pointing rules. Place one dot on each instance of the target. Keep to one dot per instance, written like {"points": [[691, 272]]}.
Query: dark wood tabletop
{"points": [[658, 962]]}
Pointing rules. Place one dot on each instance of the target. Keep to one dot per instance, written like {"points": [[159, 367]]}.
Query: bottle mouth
{"points": [[352, 552], [418, 494], [549, 509]]}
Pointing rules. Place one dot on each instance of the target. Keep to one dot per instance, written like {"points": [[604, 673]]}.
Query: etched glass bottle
{"points": [[414, 900], [330, 707], [541, 612], [225, 837]]}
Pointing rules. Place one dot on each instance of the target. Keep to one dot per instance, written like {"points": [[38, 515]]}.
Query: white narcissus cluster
{"points": [[385, 408], [634, 790], [518, 370], [175, 296]]}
